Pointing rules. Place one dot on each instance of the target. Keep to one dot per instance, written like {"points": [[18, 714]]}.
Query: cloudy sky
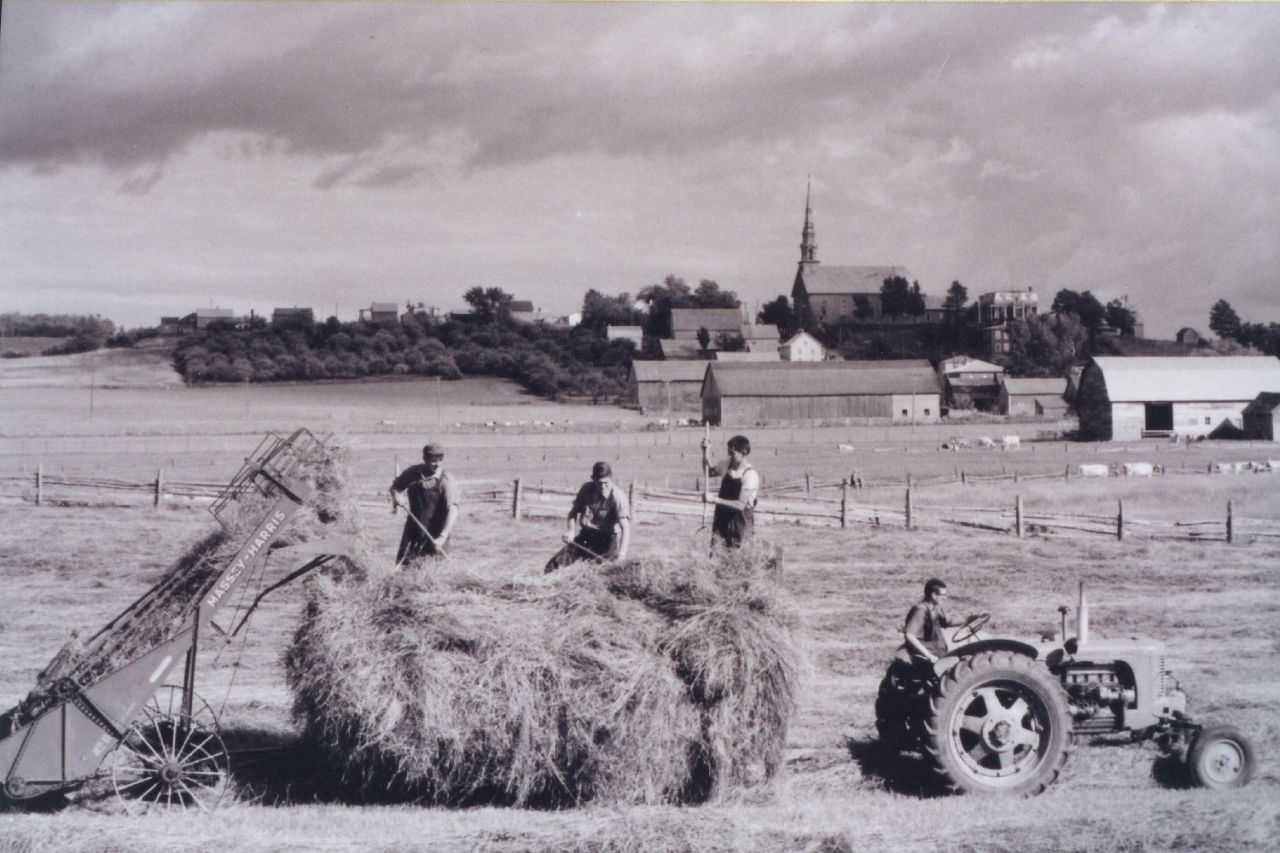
{"points": [[155, 158]]}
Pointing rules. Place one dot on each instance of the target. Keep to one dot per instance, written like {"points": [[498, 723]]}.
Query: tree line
{"points": [[1227, 325]]}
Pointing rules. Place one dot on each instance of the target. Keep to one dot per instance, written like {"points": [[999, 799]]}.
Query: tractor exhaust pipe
{"points": [[1082, 618]]}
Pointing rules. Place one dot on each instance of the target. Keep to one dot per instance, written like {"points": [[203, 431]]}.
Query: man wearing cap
{"points": [[603, 517], [433, 504]]}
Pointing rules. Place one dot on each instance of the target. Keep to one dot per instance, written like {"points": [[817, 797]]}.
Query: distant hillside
{"points": [[148, 365]]}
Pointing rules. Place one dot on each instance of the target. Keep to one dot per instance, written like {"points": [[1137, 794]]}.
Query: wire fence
{"points": [[823, 503]]}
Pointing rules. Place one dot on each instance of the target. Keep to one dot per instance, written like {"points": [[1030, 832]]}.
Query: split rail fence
{"points": [[800, 503]]}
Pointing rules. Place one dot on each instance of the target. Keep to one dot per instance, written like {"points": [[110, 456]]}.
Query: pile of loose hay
{"points": [[646, 681]]}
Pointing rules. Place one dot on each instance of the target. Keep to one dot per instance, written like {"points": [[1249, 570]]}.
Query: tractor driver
{"points": [[922, 641]]}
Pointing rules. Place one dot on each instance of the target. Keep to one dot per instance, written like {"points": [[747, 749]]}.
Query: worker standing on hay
{"points": [[433, 505], [603, 519], [734, 519]]}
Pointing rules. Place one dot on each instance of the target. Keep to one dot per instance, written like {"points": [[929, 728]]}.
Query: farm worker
{"points": [[603, 518], [922, 641], [433, 501], [734, 519]]}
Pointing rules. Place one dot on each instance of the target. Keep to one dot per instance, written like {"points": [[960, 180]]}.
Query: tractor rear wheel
{"points": [[1221, 758], [999, 724]]}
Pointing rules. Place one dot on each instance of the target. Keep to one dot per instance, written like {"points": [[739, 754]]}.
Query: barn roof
{"points": [[820, 378], [669, 371], [714, 319], [965, 364], [820, 279], [1264, 404], [384, 307], [800, 336], [749, 355], [971, 382], [1035, 386], [521, 306], [679, 349], [1174, 379]]}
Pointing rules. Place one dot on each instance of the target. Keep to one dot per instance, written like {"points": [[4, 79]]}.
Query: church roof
{"points": [[712, 319], [822, 279]]}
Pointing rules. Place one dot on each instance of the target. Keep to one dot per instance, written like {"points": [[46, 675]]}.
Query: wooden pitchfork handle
{"points": [[586, 549], [421, 527]]}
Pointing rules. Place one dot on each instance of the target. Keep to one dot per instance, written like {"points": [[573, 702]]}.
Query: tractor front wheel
{"points": [[999, 724], [1221, 757]]}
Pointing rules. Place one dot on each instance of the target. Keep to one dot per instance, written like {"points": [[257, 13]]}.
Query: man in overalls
{"points": [[734, 519], [433, 504], [602, 515]]}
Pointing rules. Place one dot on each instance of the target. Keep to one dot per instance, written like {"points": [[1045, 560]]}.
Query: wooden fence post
{"points": [[1231, 527], [39, 483], [631, 497], [1017, 515], [908, 507], [515, 500], [808, 483], [844, 504], [1015, 475], [962, 479], [1120, 520], [159, 486], [1066, 473], [908, 479]]}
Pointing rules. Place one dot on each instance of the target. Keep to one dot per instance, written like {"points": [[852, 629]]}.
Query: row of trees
{"points": [[1227, 325], [550, 361], [82, 332]]}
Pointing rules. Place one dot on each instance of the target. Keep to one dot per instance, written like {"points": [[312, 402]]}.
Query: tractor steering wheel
{"points": [[970, 627]]}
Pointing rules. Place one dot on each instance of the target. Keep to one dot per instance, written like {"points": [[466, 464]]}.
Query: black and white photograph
{"points": [[614, 427]]}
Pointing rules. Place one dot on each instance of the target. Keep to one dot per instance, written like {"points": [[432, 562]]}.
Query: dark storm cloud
{"points": [[133, 84]]}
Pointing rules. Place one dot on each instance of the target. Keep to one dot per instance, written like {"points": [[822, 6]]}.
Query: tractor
{"points": [[997, 715]]}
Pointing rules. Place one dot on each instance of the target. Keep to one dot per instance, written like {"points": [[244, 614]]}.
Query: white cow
{"points": [[1095, 470]]}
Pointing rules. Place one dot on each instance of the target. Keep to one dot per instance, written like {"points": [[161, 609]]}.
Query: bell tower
{"points": [[808, 243]]}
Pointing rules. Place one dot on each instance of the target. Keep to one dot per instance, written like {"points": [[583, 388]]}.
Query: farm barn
{"points": [[970, 383], [1262, 417], [1126, 398], [685, 322], [667, 386], [816, 393], [1020, 396]]}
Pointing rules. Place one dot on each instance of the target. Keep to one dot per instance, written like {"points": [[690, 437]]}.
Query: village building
{"points": [[1121, 399], [997, 309], [760, 336], [169, 326], [970, 383], [1021, 397], [802, 346], [202, 318], [670, 387], [381, 312], [283, 318], [685, 323], [788, 393], [1188, 336], [1262, 417], [522, 311], [635, 334], [673, 350]]}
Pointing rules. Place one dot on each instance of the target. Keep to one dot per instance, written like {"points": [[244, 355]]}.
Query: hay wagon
{"points": [[123, 706]]}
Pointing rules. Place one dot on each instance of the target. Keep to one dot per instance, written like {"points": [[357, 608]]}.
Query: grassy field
{"points": [[1217, 607]]}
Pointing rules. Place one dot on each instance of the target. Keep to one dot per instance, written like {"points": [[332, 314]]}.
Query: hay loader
{"points": [[122, 705], [997, 715]]}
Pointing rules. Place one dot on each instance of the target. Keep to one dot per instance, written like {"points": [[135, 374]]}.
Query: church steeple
{"points": [[808, 245]]}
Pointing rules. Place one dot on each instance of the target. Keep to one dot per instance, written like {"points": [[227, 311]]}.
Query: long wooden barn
{"points": [[1121, 399], [793, 393], [673, 387]]}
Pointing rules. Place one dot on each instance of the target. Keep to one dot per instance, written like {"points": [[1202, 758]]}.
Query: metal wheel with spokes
{"points": [[168, 758], [1000, 724]]}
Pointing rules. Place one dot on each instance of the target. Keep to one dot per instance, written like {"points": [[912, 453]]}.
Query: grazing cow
{"points": [[1095, 470], [1138, 469], [1012, 442]]}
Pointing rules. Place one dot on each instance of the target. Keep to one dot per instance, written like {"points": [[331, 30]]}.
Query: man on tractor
{"points": [[922, 641]]}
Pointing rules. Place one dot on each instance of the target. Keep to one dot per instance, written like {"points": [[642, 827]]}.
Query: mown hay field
{"points": [[1215, 605]]}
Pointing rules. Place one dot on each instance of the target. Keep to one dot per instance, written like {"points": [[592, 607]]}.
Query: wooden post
{"points": [[631, 497], [1015, 475], [159, 486], [908, 479], [962, 479], [515, 500], [1066, 473], [808, 483], [39, 483], [908, 508], [1120, 520], [1017, 515], [1231, 527], [844, 504]]}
